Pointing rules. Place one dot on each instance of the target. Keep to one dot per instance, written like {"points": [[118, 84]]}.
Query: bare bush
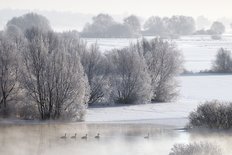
{"points": [[196, 149], [164, 62], [213, 115], [129, 78], [223, 62], [96, 69]]}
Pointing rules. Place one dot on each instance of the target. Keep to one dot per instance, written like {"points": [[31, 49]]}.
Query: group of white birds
{"points": [[97, 136]]}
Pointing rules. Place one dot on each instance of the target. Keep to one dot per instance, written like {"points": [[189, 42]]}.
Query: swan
{"points": [[74, 137], [64, 137], [147, 137], [85, 137], [97, 136]]}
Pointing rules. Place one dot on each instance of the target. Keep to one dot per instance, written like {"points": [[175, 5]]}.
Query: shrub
{"points": [[130, 81], [213, 115], [223, 62], [164, 63], [195, 149]]}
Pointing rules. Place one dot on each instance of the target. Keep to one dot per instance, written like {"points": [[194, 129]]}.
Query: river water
{"points": [[115, 139]]}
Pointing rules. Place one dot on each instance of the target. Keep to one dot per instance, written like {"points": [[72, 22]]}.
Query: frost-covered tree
{"points": [[174, 26], [30, 20], [217, 28], [133, 24], [103, 25], [53, 76], [96, 69], [16, 36], [164, 62], [99, 27], [181, 25], [155, 26], [9, 70], [130, 81], [223, 62]]}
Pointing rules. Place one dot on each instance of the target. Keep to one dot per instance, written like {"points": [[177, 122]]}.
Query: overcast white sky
{"points": [[209, 8]]}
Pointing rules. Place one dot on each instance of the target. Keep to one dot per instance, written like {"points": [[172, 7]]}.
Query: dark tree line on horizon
{"points": [[104, 26]]}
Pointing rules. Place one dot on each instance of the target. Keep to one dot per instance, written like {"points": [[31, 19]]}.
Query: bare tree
{"points": [[164, 62], [99, 27], [130, 80], [181, 25], [53, 76], [94, 63], [8, 72], [223, 62], [133, 24], [155, 26]]}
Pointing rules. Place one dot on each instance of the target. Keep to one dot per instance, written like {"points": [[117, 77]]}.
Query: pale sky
{"points": [[209, 8]]}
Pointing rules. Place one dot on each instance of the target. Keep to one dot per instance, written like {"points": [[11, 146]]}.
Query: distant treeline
{"points": [[104, 26]]}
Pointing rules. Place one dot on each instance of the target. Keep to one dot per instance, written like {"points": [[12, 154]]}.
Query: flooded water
{"points": [[115, 139]]}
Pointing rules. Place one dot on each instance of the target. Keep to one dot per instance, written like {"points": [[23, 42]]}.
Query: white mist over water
{"points": [[115, 139]]}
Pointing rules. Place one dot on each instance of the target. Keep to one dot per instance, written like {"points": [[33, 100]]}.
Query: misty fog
{"points": [[114, 139]]}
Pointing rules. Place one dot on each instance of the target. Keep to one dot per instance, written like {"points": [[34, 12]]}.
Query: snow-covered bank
{"points": [[173, 114], [194, 90]]}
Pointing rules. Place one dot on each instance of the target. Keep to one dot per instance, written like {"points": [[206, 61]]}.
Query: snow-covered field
{"points": [[199, 52], [206, 87], [194, 90]]}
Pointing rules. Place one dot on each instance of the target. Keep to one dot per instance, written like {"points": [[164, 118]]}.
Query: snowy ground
{"points": [[194, 90], [173, 114], [199, 52]]}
